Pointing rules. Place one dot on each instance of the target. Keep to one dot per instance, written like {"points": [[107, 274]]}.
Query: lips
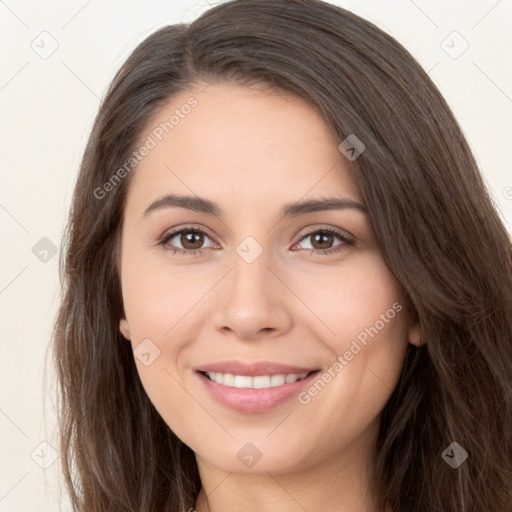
{"points": [[254, 400], [253, 369]]}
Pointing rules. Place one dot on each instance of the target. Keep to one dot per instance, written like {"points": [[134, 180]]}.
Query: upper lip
{"points": [[253, 369]]}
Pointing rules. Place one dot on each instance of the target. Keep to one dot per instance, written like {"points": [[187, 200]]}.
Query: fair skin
{"points": [[251, 151]]}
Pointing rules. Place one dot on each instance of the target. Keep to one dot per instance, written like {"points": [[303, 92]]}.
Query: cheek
{"points": [[362, 322], [156, 310], [159, 305], [349, 300], [156, 298]]}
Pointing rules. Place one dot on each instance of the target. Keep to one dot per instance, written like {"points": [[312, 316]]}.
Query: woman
{"points": [[337, 335]]}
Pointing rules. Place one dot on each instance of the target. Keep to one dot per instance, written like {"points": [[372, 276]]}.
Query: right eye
{"points": [[190, 238]]}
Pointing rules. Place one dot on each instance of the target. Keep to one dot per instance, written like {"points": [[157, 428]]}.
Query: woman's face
{"points": [[254, 289]]}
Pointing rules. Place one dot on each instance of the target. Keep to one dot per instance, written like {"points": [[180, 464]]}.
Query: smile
{"points": [[257, 382], [254, 394]]}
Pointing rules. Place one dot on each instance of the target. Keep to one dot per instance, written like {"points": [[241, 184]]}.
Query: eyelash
{"points": [[197, 252]]}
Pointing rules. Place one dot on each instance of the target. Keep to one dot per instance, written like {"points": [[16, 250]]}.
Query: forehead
{"points": [[256, 145]]}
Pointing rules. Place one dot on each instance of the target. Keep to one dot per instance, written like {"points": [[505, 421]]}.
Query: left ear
{"points": [[414, 335]]}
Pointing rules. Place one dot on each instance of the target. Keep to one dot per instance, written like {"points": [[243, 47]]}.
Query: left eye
{"points": [[326, 236]]}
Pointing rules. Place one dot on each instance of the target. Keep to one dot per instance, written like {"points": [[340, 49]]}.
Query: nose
{"points": [[252, 302]]}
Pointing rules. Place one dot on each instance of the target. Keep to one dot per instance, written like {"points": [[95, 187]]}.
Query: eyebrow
{"points": [[202, 205]]}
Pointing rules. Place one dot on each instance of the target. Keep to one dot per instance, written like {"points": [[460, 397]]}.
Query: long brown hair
{"points": [[433, 218]]}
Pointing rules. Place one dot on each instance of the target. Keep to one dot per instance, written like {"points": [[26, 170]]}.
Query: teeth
{"points": [[259, 382]]}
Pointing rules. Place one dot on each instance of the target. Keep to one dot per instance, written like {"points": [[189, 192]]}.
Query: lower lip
{"points": [[249, 400]]}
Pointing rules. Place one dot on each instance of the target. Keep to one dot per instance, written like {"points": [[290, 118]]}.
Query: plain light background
{"points": [[48, 104]]}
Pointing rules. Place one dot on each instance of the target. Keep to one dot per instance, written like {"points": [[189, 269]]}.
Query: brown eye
{"points": [[323, 241], [191, 239]]}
